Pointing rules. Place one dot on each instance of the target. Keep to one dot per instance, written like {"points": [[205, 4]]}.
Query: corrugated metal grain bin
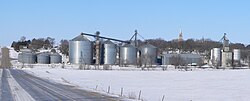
{"points": [[108, 53], [128, 55], [43, 58], [237, 54], [148, 54], [55, 58], [29, 58], [80, 50]]}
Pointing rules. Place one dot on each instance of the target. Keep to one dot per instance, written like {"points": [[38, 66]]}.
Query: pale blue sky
{"points": [[65, 19]]}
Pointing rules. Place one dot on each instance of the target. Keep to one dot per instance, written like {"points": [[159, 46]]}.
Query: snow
{"points": [[13, 53], [18, 93], [196, 85]]}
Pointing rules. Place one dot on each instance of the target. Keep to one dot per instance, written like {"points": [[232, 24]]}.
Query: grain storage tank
{"points": [[55, 58], [27, 57], [19, 57], [43, 58], [80, 50], [108, 53], [237, 54], [217, 55], [128, 55], [212, 54], [226, 59], [148, 54]]}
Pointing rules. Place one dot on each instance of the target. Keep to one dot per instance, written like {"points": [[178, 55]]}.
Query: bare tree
{"points": [[22, 39], [124, 62], [216, 62], [236, 63], [64, 47], [200, 62], [229, 62], [51, 41], [147, 60]]}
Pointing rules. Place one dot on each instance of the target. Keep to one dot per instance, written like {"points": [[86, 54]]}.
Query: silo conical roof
{"points": [[148, 45], [108, 42], [128, 45], [80, 38]]}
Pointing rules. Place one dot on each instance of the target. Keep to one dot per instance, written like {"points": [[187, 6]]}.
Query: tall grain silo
{"points": [[108, 53], [217, 55], [43, 58], [128, 55], [55, 58], [226, 59], [27, 57], [212, 54], [80, 50], [148, 54], [237, 54]]}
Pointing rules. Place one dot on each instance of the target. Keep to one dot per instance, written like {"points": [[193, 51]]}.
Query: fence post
{"points": [[96, 87], [139, 95], [108, 89], [163, 97], [121, 91]]}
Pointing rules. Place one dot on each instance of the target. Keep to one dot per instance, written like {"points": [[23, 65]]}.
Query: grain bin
{"points": [[80, 50], [148, 54], [128, 55], [20, 57], [212, 54], [55, 58], [27, 57], [108, 53], [237, 54], [217, 55], [43, 58]]}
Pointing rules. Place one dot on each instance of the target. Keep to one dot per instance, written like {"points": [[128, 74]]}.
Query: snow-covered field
{"points": [[196, 85]]}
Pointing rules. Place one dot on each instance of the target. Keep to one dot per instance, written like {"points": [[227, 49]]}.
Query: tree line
{"points": [[197, 45], [34, 44]]}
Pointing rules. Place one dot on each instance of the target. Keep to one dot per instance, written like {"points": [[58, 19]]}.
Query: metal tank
{"points": [[217, 55], [212, 54], [237, 54], [55, 58], [43, 58], [80, 50], [108, 53], [148, 54], [29, 58], [19, 57], [128, 55]]}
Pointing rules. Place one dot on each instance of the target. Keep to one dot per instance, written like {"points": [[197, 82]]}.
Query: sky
{"points": [[65, 19]]}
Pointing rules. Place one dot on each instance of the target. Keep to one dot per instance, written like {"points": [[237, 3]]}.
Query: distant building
{"points": [[186, 59], [224, 58]]}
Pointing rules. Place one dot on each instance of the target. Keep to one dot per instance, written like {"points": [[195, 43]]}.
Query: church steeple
{"points": [[180, 38], [180, 41]]}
